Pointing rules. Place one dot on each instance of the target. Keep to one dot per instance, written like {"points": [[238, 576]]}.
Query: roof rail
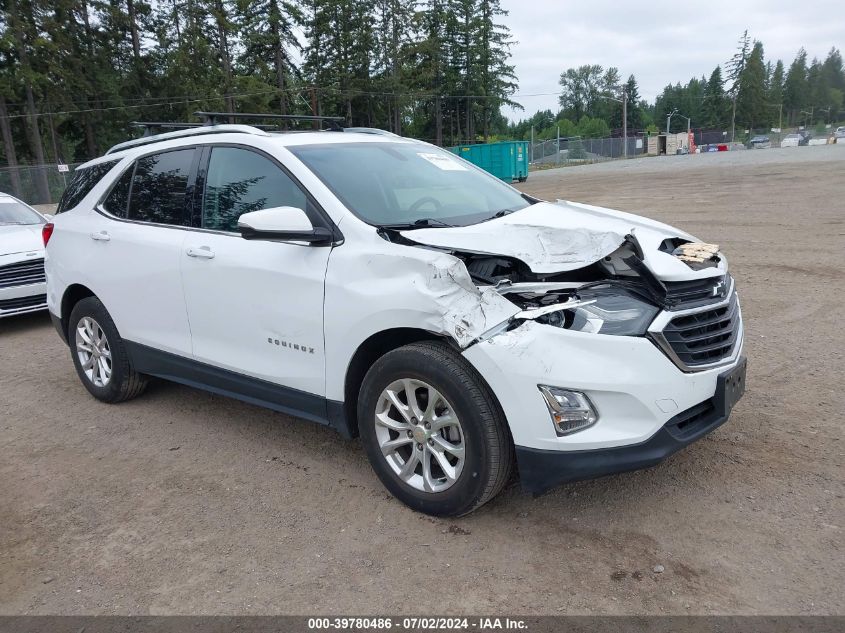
{"points": [[192, 130], [211, 118], [150, 126], [369, 130]]}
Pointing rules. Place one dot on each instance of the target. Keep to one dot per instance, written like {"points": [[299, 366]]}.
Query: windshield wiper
{"points": [[501, 214], [422, 223]]}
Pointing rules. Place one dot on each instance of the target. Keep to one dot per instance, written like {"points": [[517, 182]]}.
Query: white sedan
{"points": [[22, 285]]}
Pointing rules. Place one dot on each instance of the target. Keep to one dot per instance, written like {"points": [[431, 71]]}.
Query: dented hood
{"points": [[563, 236]]}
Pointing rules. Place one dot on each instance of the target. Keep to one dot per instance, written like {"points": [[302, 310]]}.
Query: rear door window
{"points": [[83, 181], [239, 181], [159, 191]]}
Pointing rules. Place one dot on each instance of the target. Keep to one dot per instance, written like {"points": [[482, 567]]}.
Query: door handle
{"points": [[102, 236], [201, 252]]}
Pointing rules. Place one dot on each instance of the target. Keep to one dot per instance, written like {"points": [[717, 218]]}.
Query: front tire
{"points": [[433, 431], [99, 354]]}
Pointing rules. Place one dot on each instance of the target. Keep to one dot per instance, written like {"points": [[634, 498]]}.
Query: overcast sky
{"points": [[659, 41]]}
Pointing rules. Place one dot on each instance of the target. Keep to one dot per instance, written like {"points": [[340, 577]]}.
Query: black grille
{"points": [[23, 302], [704, 337], [22, 273], [692, 421], [698, 292]]}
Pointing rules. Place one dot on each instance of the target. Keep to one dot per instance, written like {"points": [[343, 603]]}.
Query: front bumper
{"points": [[635, 388], [16, 300], [540, 470]]}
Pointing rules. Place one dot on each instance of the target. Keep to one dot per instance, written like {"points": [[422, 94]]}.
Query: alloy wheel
{"points": [[92, 348], [420, 435]]}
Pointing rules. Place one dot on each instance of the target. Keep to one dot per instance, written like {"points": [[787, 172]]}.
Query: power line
{"points": [[175, 101]]}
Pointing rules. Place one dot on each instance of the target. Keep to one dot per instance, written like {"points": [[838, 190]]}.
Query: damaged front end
{"points": [[577, 268], [616, 295], [601, 334]]}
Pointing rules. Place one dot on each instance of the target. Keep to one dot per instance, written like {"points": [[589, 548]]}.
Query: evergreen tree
{"points": [[635, 113], [817, 92], [392, 38], [832, 70], [267, 29], [735, 67], [714, 103], [774, 94], [795, 88], [429, 58], [833, 77], [497, 81], [23, 31], [751, 96]]}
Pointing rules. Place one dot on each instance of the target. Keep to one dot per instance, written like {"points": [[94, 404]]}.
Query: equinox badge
{"points": [[294, 346]]}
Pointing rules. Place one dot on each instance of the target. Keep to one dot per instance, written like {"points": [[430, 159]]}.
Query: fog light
{"points": [[571, 411]]}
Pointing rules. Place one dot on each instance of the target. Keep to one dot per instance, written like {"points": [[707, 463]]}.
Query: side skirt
{"points": [[192, 373]]}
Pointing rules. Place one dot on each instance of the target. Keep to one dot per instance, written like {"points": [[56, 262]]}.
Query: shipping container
{"points": [[507, 160]]}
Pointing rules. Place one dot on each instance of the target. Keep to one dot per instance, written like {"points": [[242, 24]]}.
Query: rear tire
{"points": [[433, 431], [99, 354]]}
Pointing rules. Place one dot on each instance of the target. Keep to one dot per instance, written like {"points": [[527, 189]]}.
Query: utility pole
{"points": [[624, 102], [807, 124], [55, 145], [531, 147], [558, 145], [669, 120], [625, 120], [733, 118], [315, 124], [779, 106]]}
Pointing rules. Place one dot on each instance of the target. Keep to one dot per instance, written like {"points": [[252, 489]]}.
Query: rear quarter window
{"points": [[117, 202], [83, 181]]}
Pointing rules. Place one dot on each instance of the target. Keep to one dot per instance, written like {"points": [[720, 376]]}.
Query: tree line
{"points": [[75, 73], [752, 92], [749, 92]]}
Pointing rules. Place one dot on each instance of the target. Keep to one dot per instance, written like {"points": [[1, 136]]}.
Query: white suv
{"points": [[391, 290]]}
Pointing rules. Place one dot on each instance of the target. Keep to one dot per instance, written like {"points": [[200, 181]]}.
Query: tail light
{"points": [[46, 232]]}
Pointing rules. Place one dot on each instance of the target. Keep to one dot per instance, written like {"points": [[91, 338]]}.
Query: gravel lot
{"points": [[185, 502]]}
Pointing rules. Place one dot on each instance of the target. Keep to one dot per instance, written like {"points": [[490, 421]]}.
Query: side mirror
{"points": [[285, 224]]}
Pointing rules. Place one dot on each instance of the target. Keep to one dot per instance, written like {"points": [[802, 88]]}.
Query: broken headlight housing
{"points": [[611, 311]]}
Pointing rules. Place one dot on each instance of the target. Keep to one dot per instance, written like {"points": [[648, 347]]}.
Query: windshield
{"points": [[407, 183], [14, 212]]}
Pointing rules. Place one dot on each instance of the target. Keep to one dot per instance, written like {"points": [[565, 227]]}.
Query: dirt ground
{"points": [[185, 502]]}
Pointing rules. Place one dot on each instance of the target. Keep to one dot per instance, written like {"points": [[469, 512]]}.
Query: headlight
{"points": [[612, 311]]}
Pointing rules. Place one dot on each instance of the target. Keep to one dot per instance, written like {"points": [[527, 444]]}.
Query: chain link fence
{"points": [[35, 184], [577, 150]]}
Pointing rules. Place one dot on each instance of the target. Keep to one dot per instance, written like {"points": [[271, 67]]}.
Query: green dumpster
{"points": [[507, 160]]}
